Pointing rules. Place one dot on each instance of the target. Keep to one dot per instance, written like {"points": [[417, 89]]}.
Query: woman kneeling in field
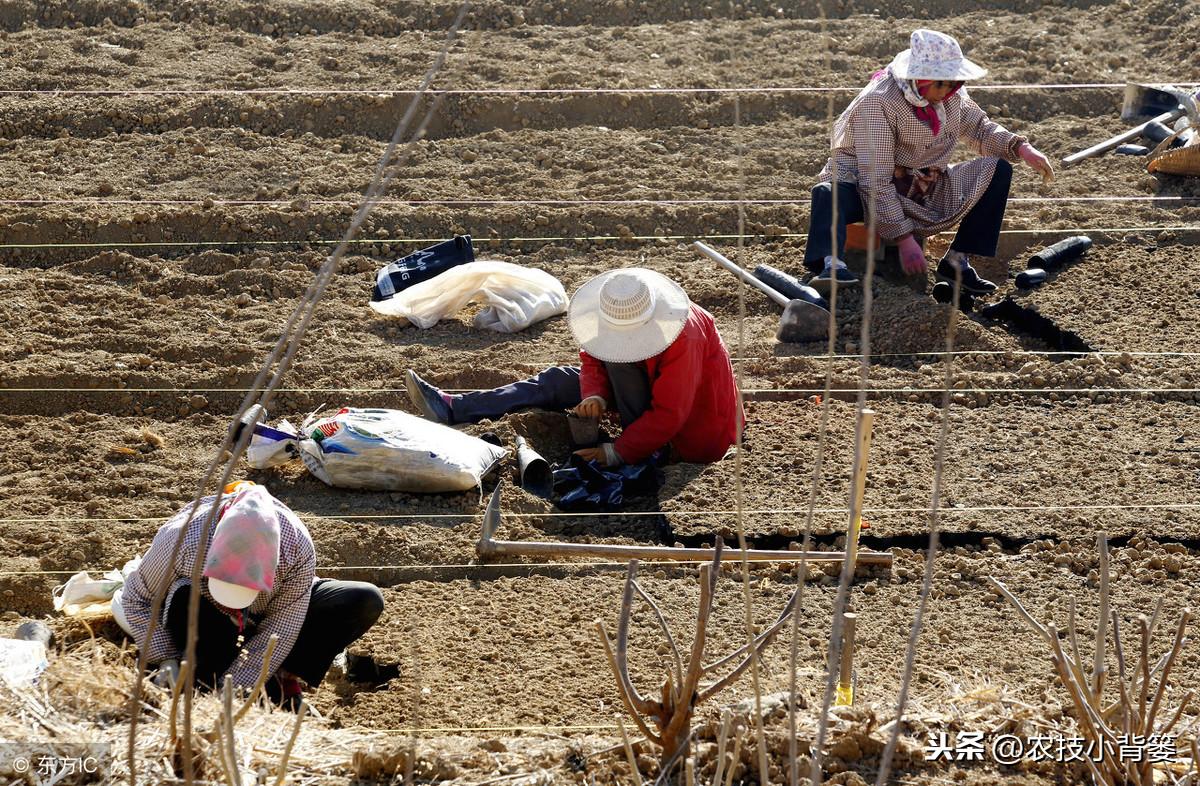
{"points": [[892, 147]]}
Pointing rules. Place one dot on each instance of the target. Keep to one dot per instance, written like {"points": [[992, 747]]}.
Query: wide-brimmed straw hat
{"points": [[934, 55], [624, 316]]}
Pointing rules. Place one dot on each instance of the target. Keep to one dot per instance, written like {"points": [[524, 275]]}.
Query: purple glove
{"points": [[912, 258]]}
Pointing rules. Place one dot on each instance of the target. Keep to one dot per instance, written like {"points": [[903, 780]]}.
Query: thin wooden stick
{"points": [[743, 547], [737, 752], [1072, 632], [642, 704], [1125, 704], [690, 771], [1187, 697], [287, 751], [1100, 667], [176, 690], [1136, 680], [633, 765], [741, 651], [227, 724], [622, 690], [846, 672], [1083, 699], [1144, 688], [263, 674], [1117, 647], [759, 645], [1158, 607], [858, 482], [1075, 662], [1162, 681], [662, 622], [726, 720], [1037, 627]]}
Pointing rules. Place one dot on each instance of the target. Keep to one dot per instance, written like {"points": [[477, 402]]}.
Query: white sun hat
{"points": [[934, 55], [624, 316]]}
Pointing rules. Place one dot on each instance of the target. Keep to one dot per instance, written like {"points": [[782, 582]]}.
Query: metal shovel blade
{"points": [[803, 321], [1143, 102]]}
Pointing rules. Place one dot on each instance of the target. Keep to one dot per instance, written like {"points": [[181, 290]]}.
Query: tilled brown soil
{"points": [[153, 245]]}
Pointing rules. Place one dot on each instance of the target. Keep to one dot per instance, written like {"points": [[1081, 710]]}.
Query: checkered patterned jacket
{"points": [[280, 612], [879, 131]]}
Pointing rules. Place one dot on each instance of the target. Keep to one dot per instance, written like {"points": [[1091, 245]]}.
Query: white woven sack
{"points": [[389, 450]]}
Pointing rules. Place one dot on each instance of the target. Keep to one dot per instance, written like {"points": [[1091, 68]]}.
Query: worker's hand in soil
{"points": [[594, 454], [590, 407], [912, 257], [1038, 162]]}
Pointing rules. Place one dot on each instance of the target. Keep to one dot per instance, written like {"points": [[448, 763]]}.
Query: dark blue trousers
{"points": [[978, 232], [556, 388]]}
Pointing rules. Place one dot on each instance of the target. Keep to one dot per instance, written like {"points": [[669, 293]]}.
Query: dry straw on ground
{"points": [[84, 697]]}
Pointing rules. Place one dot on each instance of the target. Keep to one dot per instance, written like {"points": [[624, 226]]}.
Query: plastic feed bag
{"points": [[515, 296]]}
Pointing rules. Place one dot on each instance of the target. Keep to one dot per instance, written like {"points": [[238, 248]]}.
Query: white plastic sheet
{"points": [[21, 662], [516, 296]]}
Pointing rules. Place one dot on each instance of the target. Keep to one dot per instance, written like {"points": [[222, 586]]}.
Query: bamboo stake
{"points": [[858, 485], [845, 688]]}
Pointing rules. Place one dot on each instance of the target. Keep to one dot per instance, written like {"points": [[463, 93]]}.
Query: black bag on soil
{"points": [[421, 266]]}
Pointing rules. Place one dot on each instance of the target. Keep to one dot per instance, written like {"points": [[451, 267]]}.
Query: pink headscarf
{"points": [[245, 544]]}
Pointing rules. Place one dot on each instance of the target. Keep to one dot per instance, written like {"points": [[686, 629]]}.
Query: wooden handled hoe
{"points": [[487, 547], [801, 321]]}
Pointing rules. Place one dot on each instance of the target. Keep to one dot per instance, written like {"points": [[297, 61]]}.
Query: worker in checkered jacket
{"points": [[258, 581], [892, 148]]}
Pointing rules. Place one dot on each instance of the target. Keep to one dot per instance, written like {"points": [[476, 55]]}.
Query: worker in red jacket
{"points": [[648, 354]]}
